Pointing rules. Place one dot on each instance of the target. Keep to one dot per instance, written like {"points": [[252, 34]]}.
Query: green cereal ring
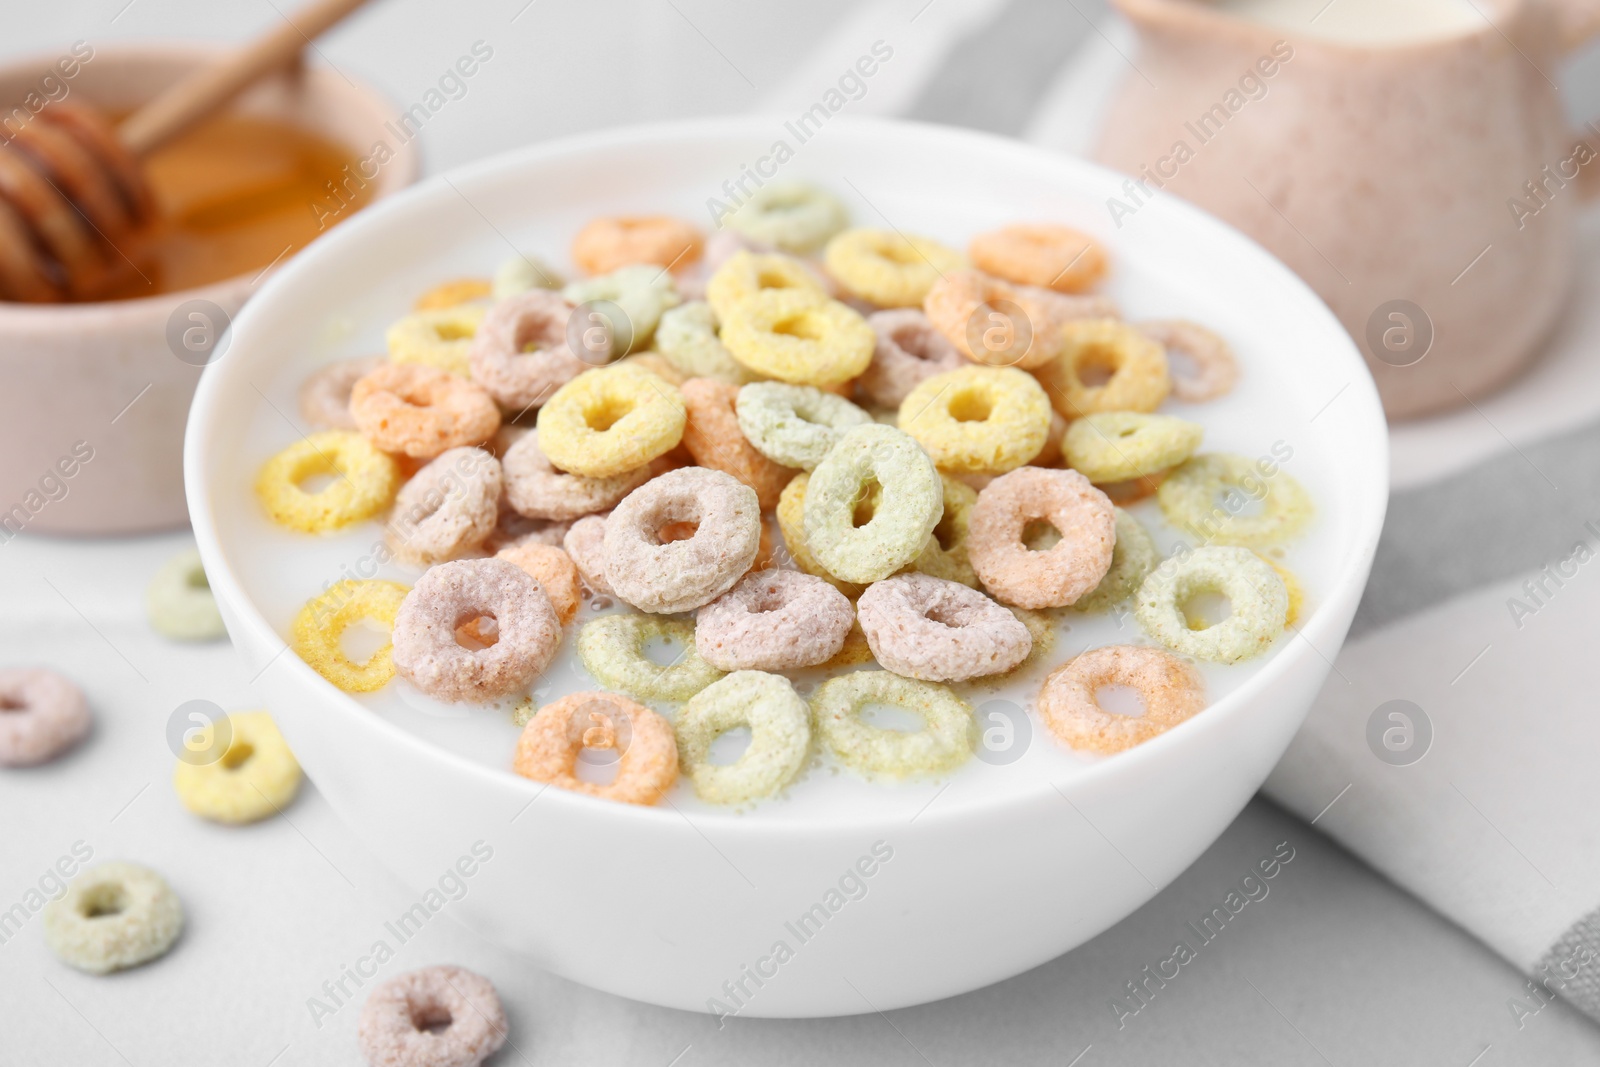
{"points": [[780, 736], [790, 513], [179, 601], [944, 742], [795, 425], [642, 291], [612, 649], [113, 916], [887, 268], [521, 273], [1118, 446], [978, 419], [1258, 599], [438, 338], [794, 216], [897, 532], [1203, 497], [946, 553], [746, 277], [606, 422], [1133, 557], [687, 337], [794, 337]]}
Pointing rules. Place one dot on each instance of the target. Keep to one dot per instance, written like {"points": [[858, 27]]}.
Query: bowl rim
{"points": [[1349, 581]]}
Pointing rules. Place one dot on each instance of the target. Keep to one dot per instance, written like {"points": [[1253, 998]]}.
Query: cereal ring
{"points": [[682, 575], [1041, 253], [366, 481], [606, 422], [320, 625], [453, 293], [42, 715], [927, 628], [555, 572], [913, 501], [523, 272], [1291, 586], [448, 507], [795, 425], [1215, 368], [1119, 446], [908, 351], [421, 411], [793, 216], [1205, 495], [1138, 367], [1015, 574], [612, 648], [641, 292], [325, 395], [1133, 557], [989, 419], [687, 337], [750, 277], [780, 737], [790, 513], [536, 489], [605, 244], [439, 338], [427, 654], [886, 268], [435, 1017], [944, 742], [774, 620], [1258, 601], [1000, 325], [113, 916], [715, 438], [585, 542], [1171, 690], [255, 777], [946, 553], [797, 339], [179, 603], [520, 354], [549, 746]]}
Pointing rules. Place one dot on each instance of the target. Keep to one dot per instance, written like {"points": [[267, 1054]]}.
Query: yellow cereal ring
{"points": [[439, 338], [1118, 446], [453, 293], [885, 268], [1139, 379], [797, 339], [946, 554], [255, 777], [978, 419], [747, 276], [365, 482], [791, 524], [322, 622], [605, 422]]}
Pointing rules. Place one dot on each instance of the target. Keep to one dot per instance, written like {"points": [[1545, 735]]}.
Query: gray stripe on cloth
{"points": [[1570, 968]]}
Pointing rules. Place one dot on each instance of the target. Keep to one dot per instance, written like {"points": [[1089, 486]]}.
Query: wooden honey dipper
{"points": [[72, 189]]}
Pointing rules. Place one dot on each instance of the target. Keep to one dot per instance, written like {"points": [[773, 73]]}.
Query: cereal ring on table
{"points": [[523, 272], [179, 603], [780, 736], [886, 268], [682, 575], [795, 425], [774, 620], [585, 542], [1041, 253], [365, 482], [520, 354], [435, 1017], [793, 216], [790, 513], [1170, 689], [989, 419], [449, 507], [427, 654], [908, 352], [113, 916], [1133, 557], [687, 337], [641, 292], [321, 623], [612, 648], [256, 776], [605, 423], [536, 489], [453, 293], [421, 411], [944, 742], [796, 339], [549, 746], [924, 627], [440, 338], [1258, 601], [1204, 496], [1015, 574], [555, 572], [750, 277], [1138, 367], [605, 244], [1215, 368], [715, 438], [1119, 446], [895, 535], [42, 715], [1001, 325], [946, 553], [325, 395]]}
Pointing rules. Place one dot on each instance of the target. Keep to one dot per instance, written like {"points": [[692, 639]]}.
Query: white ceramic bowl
{"points": [[680, 905]]}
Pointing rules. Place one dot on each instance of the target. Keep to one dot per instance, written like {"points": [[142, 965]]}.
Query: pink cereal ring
{"points": [[449, 507], [42, 715], [435, 1017], [427, 654], [325, 395], [773, 620], [682, 575], [536, 489], [908, 351], [1017, 575], [606, 244], [549, 746], [1215, 368], [520, 354], [585, 542], [1172, 691], [934, 630], [421, 411]]}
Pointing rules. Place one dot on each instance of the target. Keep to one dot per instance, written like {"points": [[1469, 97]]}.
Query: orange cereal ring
{"points": [[713, 438], [421, 411], [1043, 254], [1138, 380], [1172, 691], [555, 572], [1003, 325], [1215, 368], [549, 746], [453, 293], [620, 241], [1072, 567]]}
